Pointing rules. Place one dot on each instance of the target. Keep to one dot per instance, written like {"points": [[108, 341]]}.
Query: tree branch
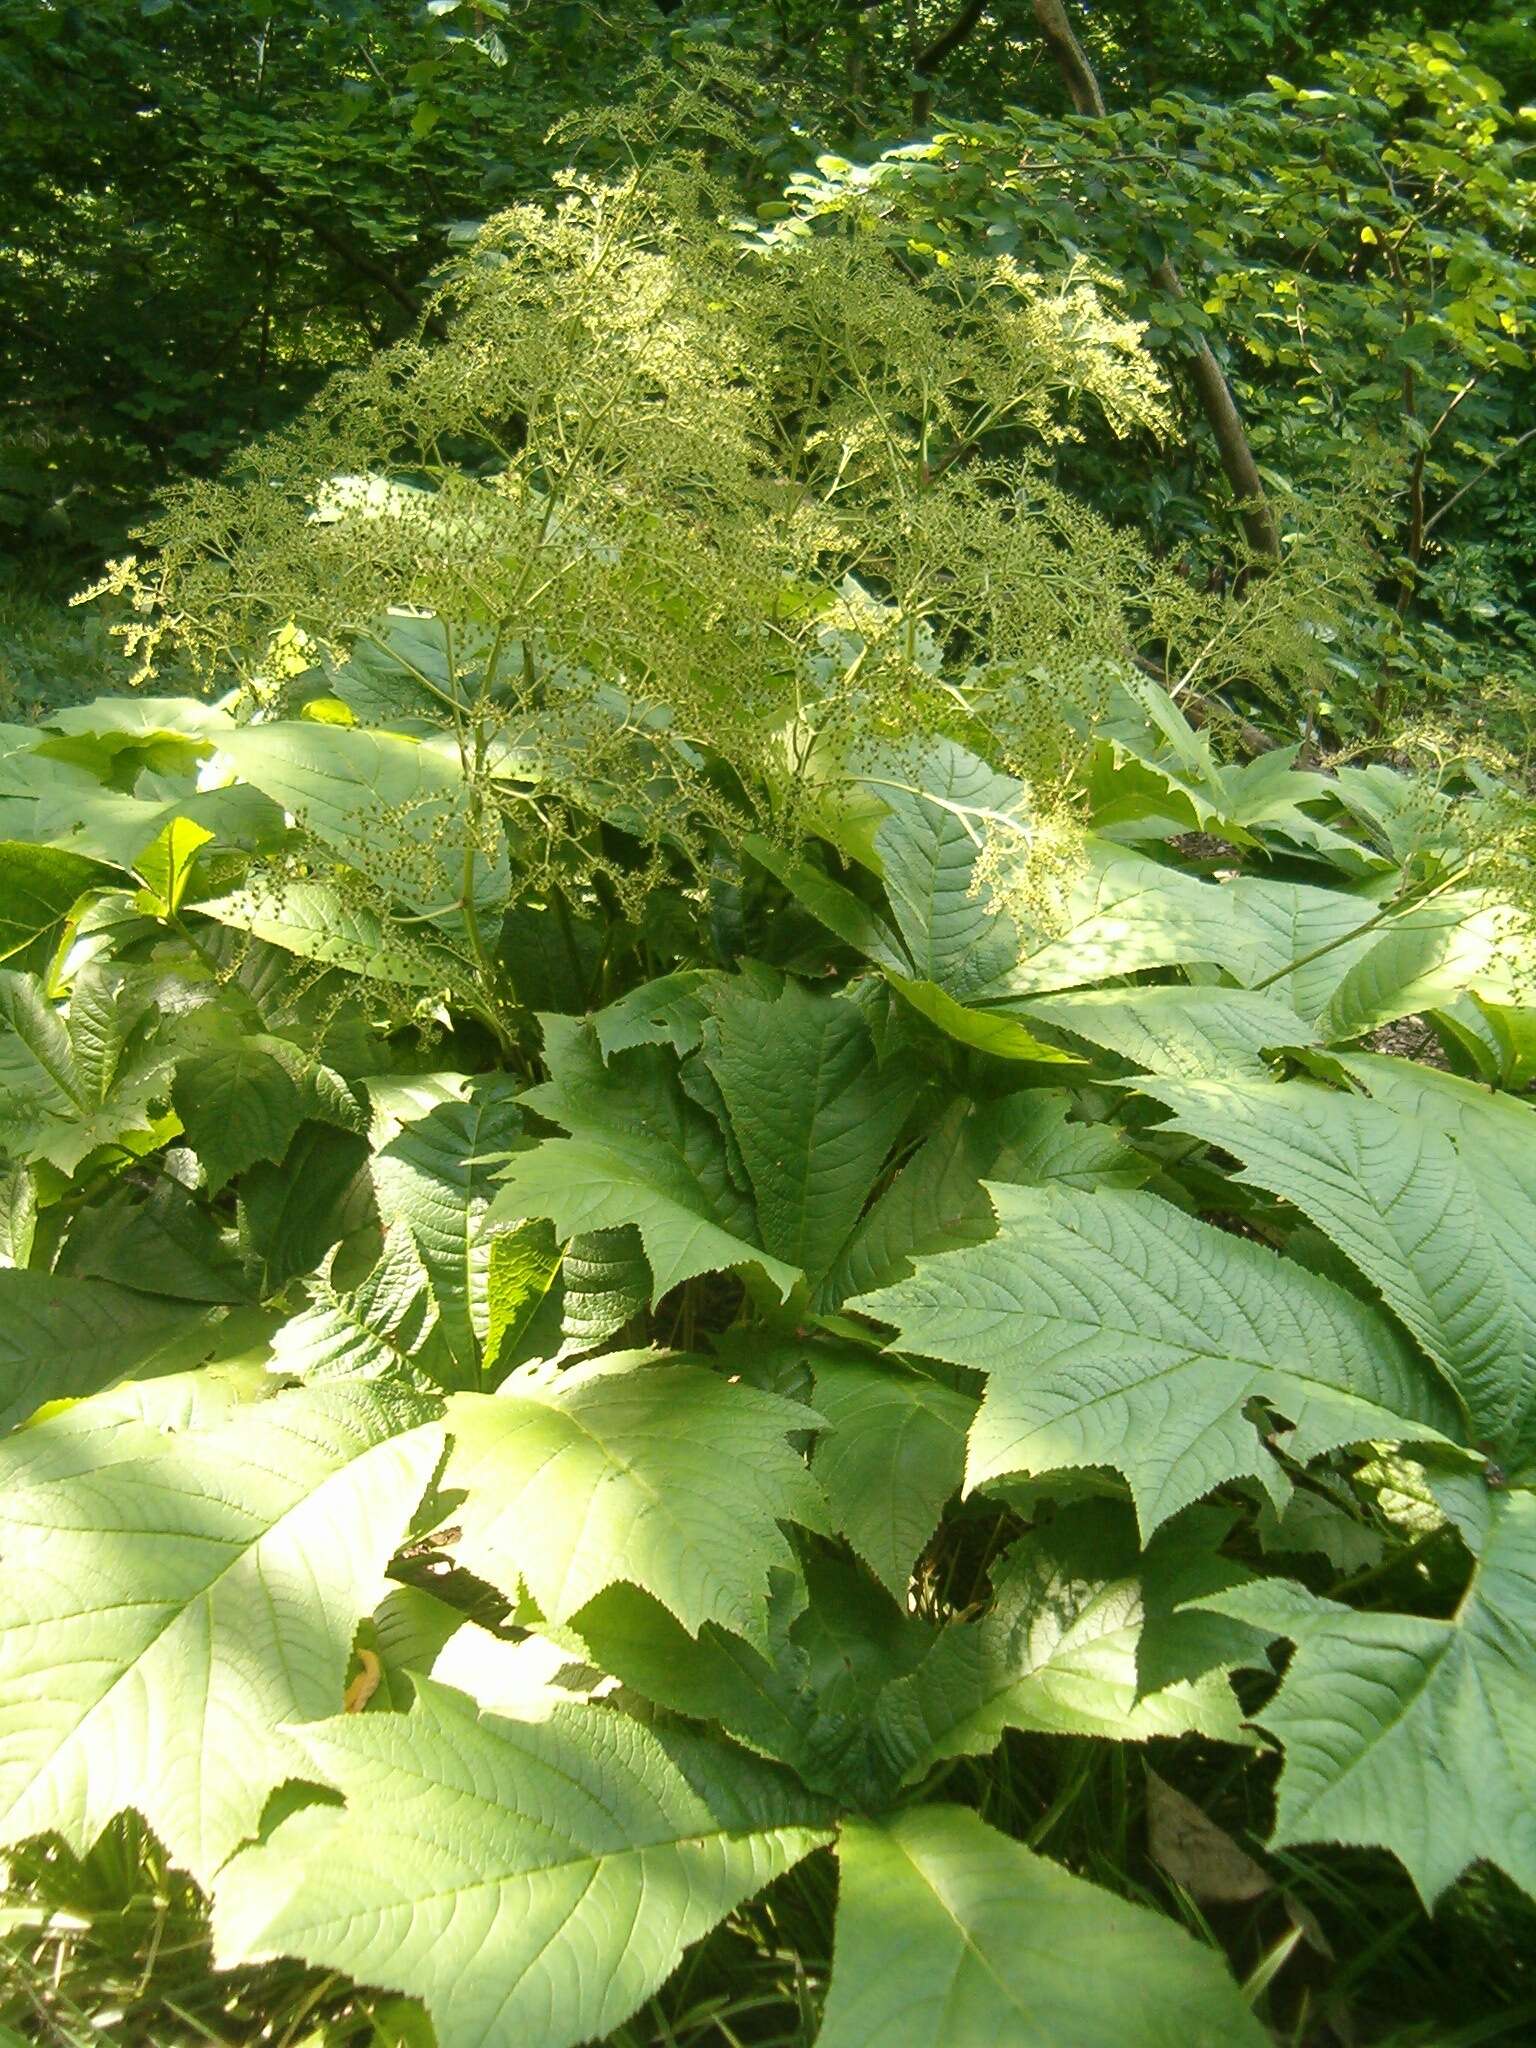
{"points": [[1077, 73], [1212, 390], [355, 259], [1472, 482], [929, 62]]}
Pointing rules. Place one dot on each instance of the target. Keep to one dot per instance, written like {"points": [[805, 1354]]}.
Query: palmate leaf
{"points": [[533, 1883], [243, 1101], [937, 1201], [812, 1110], [1117, 1331], [951, 1935], [121, 724], [1347, 966], [1407, 1202], [644, 1093], [663, 1475], [1495, 1042], [1155, 774], [642, 1152], [808, 1699], [435, 1176], [1407, 1732], [126, 831], [892, 1455], [1060, 1649], [171, 1599]]}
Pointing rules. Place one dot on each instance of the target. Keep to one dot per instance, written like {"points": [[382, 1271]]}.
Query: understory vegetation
{"points": [[767, 1173]]}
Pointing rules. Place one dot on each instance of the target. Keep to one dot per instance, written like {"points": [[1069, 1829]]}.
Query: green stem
{"points": [[1388, 910]]}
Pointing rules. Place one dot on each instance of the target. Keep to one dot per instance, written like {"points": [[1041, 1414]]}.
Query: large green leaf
{"points": [[1426, 956], [129, 722], [928, 848], [1397, 1196], [585, 1185], [18, 1214], [435, 1175], [243, 1101], [160, 1242], [1117, 1331], [996, 1032], [646, 1094], [937, 1202], [524, 1265], [167, 1612], [294, 1212], [1302, 940], [807, 1698], [812, 1110], [1414, 1733], [122, 830], [94, 1075], [165, 865], [61, 1338], [843, 913], [384, 1328], [398, 809], [1059, 1649], [1121, 914], [605, 1284], [1194, 1031], [38, 888], [950, 1935], [531, 1882], [663, 1475], [642, 1152], [668, 1011], [321, 921], [1495, 1139], [892, 1455]]}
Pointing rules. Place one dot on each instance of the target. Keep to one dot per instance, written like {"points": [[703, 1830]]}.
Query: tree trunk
{"points": [[1212, 390]]}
